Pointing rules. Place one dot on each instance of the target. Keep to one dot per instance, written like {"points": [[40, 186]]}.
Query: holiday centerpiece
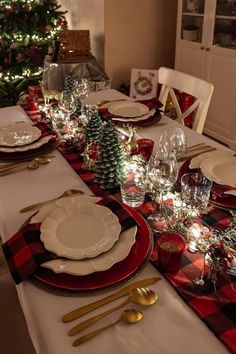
{"points": [[109, 165]]}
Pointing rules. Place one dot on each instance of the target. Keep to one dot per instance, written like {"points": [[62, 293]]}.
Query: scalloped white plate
{"points": [[80, 231], [128, 109], [136, 119], [100, 263], [196, 161], [18, 134], [29, 147], [220, 170]]}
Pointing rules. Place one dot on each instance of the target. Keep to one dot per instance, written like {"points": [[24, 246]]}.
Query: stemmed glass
{"points": [[81, 91], [162, 173], [173, 140], [68, 104]]}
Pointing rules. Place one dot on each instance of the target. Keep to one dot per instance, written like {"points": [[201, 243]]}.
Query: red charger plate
{"points": [[226, 202], [119, 272]]}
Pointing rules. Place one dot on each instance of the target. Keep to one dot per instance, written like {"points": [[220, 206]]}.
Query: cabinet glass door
{"points": [[192, 20], [225, 24]]}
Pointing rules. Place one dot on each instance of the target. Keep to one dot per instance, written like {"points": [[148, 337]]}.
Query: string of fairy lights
{"points": [[27, 73], [30, 2], [20, 38]]}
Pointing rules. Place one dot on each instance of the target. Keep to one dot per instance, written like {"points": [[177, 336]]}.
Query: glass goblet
{"points": [[81, 91], [68, 104], [162, 174], [178, 141], [173, 140]]}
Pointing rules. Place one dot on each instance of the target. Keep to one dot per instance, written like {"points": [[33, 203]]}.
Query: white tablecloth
{"points": [[168, 327]]}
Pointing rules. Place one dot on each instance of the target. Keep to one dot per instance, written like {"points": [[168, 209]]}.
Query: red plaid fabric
{"points": [[25, 252], [216, 308]]}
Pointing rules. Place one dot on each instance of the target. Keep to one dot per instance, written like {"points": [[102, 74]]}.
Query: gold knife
{"points": [[195, 154], [79, 312]]}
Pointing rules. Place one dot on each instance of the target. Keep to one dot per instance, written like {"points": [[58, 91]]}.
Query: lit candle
{"points": [[194, 233]]}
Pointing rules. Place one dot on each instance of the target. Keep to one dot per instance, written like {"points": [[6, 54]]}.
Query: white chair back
{"points": [[201, 90]]}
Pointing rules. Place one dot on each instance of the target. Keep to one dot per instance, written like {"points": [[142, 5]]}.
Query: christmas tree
{"points": [[109, 165], [93, 128], [27, 27]]}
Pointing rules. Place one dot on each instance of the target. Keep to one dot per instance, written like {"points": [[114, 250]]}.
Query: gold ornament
{"points": [[88, 159], [48, 28], [131, 143]]}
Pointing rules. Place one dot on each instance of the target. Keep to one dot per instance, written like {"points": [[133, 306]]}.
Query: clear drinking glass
{"points": [[195, 191], [162, 173], [133, 186]]}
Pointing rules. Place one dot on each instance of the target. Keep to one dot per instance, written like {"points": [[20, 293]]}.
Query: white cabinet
{"points": [[206, 48]]}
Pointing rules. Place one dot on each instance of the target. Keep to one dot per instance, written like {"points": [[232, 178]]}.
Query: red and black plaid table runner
{"points": [[216, 308]]}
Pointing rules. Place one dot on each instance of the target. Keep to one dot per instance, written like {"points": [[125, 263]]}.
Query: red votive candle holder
{"points": [[145, 147], [170, 248]]}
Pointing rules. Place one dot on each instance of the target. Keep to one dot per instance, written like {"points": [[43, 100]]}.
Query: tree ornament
{"points": [[109, 165], [131, 144], [27, 7], [90, 155], [47, 28], [93, 128]]}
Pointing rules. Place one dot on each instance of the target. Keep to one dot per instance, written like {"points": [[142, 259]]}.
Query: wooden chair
{"points": [[201, 90]]}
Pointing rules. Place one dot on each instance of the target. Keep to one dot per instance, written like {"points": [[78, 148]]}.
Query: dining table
{"points": [[169, 326]]}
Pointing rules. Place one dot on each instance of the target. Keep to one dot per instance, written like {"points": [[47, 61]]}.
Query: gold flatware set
{"points": [[32, 164], [195, 150], [137, 292]]}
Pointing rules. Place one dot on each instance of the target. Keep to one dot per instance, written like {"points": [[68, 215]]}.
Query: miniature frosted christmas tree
{"points": [[109, 165], [93, 128], [70, 82]]}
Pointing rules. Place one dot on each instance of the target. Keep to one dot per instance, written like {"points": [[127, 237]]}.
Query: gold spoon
{"points": [[25, 161], [31, 166], [130, 316], [140, 296], [22, 165], [65, 194]]}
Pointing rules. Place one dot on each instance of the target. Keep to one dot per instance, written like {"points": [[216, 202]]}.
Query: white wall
{"points": [[87, 14], [138, 33]]}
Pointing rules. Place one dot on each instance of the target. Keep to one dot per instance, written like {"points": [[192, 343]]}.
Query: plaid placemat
{"points": [[216, 308], [25, 252]]}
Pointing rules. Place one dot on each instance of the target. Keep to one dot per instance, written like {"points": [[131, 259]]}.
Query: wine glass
{"points": [[81, 91], [173, 140], [177, 141], [162, 174], [67, 103]]}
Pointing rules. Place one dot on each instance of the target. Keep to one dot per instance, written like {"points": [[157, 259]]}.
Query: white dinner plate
{"points": [[196, 161], [128, 109], [104, 261], [18, 134], [32, 146], [80, 231], [135, 119], [220, 170]]}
